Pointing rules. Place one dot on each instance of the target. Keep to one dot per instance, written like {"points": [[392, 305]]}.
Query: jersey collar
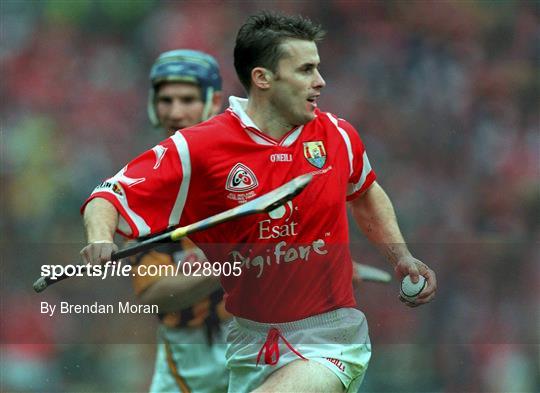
{"points": [[238, 106]]}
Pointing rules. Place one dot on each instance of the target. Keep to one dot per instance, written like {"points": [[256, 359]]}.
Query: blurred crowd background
{"points": [[445, 95]]}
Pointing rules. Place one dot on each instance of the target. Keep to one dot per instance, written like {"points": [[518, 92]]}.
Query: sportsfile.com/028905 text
{"points": [[119, 269]]}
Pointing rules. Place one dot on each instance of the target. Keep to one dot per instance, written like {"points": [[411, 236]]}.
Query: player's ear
{"points": [[217, 100], [261, 77]]}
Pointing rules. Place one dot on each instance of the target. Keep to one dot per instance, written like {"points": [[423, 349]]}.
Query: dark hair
{"points": [[258, 41]]}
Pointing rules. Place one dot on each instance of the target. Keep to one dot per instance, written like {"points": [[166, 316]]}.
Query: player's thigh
{"points": [[302, 376]]}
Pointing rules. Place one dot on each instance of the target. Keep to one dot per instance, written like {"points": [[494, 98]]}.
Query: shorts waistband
{"points": [[327, 319]]}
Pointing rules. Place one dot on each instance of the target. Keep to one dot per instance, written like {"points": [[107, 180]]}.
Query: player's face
{"points": [[179, 105], [297, 83]]}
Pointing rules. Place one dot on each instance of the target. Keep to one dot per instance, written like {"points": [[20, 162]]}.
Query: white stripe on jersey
{"points": [[346, 140], [257, 138], [366, 168], [238, 108], [123, 225], [260, 139], [183, 154], [122, 179], [142, 226], [292, 138]]}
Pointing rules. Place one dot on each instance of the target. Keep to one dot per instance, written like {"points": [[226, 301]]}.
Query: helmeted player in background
{"points": [[185, 90], [294, 295]]}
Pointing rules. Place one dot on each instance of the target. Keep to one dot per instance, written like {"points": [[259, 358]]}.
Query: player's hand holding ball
{"points": [[410, 290], [418, 281]]}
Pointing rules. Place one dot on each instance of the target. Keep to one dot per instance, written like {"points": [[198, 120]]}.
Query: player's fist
{"points": [[413, 267], [98, 252]]}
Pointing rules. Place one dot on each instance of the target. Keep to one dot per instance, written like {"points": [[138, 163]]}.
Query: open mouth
{"points": [[313, 100]]}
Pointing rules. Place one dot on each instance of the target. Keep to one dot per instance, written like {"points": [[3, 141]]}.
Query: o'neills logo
{"points": [[337, 363], [112, 186], [241, 179]]}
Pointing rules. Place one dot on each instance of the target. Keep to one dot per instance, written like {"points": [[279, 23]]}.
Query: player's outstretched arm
{"points": [[374, 214], [100, 222]]}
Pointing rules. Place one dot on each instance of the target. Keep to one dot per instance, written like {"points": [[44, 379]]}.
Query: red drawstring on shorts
{"points": [[271, 347]]}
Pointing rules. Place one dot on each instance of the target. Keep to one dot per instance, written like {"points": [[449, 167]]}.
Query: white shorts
{"points": [[186, 362], [338, 340]]}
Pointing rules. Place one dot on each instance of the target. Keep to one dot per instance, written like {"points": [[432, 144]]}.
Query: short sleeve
{"points": [[361, 174], [149, 193]]}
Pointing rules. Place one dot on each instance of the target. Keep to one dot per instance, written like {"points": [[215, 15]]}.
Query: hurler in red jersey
{"points": [[225, 161], [294, 294]]}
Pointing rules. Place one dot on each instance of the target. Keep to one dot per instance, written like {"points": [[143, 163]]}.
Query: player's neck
{"points": [[267, 118]]}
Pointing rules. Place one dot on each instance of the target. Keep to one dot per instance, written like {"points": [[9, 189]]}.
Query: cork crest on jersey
{"points": [[315, 153]]}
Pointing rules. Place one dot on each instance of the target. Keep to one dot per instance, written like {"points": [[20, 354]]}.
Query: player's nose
{"points": [[319, 81], [178, 110]]}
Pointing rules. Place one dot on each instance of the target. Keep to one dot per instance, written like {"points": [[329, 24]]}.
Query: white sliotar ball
{"points": [[409, 290]]}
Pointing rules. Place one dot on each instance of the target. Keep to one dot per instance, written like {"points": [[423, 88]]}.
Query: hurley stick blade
{"points": [[40, 284], [371, 273], [264, 203]]}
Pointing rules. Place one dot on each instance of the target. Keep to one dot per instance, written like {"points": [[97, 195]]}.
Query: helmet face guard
{"points": [[189, 66]]}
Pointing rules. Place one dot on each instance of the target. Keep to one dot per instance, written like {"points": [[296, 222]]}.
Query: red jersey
{"points": [[295, 259]]}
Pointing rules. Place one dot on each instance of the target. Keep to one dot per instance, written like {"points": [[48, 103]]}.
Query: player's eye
{"points": [[188, 100], [165, 100], [308, 69]]}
